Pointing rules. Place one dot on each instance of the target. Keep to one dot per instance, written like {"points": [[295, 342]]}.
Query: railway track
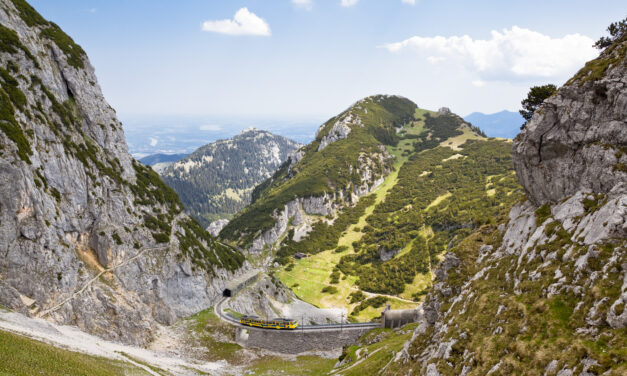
{"points": [[311, 328]]}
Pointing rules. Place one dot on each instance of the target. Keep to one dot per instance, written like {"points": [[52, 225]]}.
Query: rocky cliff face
{"points": [[216, 181], [88, 236], [578, 139], [544, 291]]}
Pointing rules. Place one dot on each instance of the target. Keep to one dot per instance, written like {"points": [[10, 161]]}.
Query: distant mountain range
{"points": [[501, 124], [217, 180], [160, 161], [181, 134], [153, 159]]}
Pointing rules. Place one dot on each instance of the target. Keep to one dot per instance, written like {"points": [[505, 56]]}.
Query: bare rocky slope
{"points": [[88, 235], [216, 181], [544, 292]]}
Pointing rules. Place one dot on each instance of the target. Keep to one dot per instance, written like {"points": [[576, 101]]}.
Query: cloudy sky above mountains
{"points": [[310, 59]]}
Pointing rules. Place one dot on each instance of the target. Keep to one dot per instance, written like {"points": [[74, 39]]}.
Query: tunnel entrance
{"points": [[226, 293]]}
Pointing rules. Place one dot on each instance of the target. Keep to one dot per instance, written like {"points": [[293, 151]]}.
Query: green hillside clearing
{"points": [[426, 190], [25, 356]]}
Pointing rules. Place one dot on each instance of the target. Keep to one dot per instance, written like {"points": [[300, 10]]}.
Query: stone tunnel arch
{"points": [[226, 293]]}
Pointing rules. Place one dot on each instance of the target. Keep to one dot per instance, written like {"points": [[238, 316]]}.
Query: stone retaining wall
{"points": [[297, 341]]}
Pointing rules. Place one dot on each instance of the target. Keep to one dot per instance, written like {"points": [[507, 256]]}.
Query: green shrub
{"points": [[356, 296], [118, 240], [161, 238], [10, 127], [376, 302], [56, 194], [542, 214], [341, 249], [330, 290]]}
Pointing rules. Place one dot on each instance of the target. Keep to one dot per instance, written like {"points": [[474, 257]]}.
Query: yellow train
{"points": [[278, 323]]}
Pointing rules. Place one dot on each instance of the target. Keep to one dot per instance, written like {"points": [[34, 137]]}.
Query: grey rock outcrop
{"points": [[565, 242], [444, 111], [215, 227], [340, 129], [577, 140], [88, 236], [269, 298]]}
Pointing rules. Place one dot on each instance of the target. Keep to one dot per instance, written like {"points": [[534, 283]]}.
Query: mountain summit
{"points": [[217, 180], [346, 160]]}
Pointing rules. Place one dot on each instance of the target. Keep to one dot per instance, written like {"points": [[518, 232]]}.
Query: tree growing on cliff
{"points": [[535, 97], [617, 30]]}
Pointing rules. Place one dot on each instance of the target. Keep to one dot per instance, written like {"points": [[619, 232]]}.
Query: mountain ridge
{"points": [[346, 170], [217, 180], [499, 124], [153, 159]]}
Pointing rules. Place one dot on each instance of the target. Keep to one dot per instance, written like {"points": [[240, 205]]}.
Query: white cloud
{"points": [[435, 59], [243, 23], [411, 2], [349, 3], [516, 53], [478, 83], [210, 127], [153, 141], [305, 4]]}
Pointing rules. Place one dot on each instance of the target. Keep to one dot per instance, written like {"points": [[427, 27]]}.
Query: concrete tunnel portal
{"points": [[233, 286]]}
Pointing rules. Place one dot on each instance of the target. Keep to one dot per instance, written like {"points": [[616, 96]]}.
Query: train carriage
{"points": [[277, 323]]}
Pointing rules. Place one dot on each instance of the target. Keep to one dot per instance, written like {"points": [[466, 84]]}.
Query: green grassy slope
{"points": [[332, 169], [21, 356], [447, 180]]}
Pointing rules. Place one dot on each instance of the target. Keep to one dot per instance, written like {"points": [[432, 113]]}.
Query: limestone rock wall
{"points": [[578, 138], [74, 205], [296, 342]]}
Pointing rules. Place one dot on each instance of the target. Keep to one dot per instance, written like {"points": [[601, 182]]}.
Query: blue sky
{"points": [[312, 59]]}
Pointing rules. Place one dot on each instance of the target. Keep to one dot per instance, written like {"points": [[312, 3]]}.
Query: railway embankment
{"points": [[299, 341]]}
